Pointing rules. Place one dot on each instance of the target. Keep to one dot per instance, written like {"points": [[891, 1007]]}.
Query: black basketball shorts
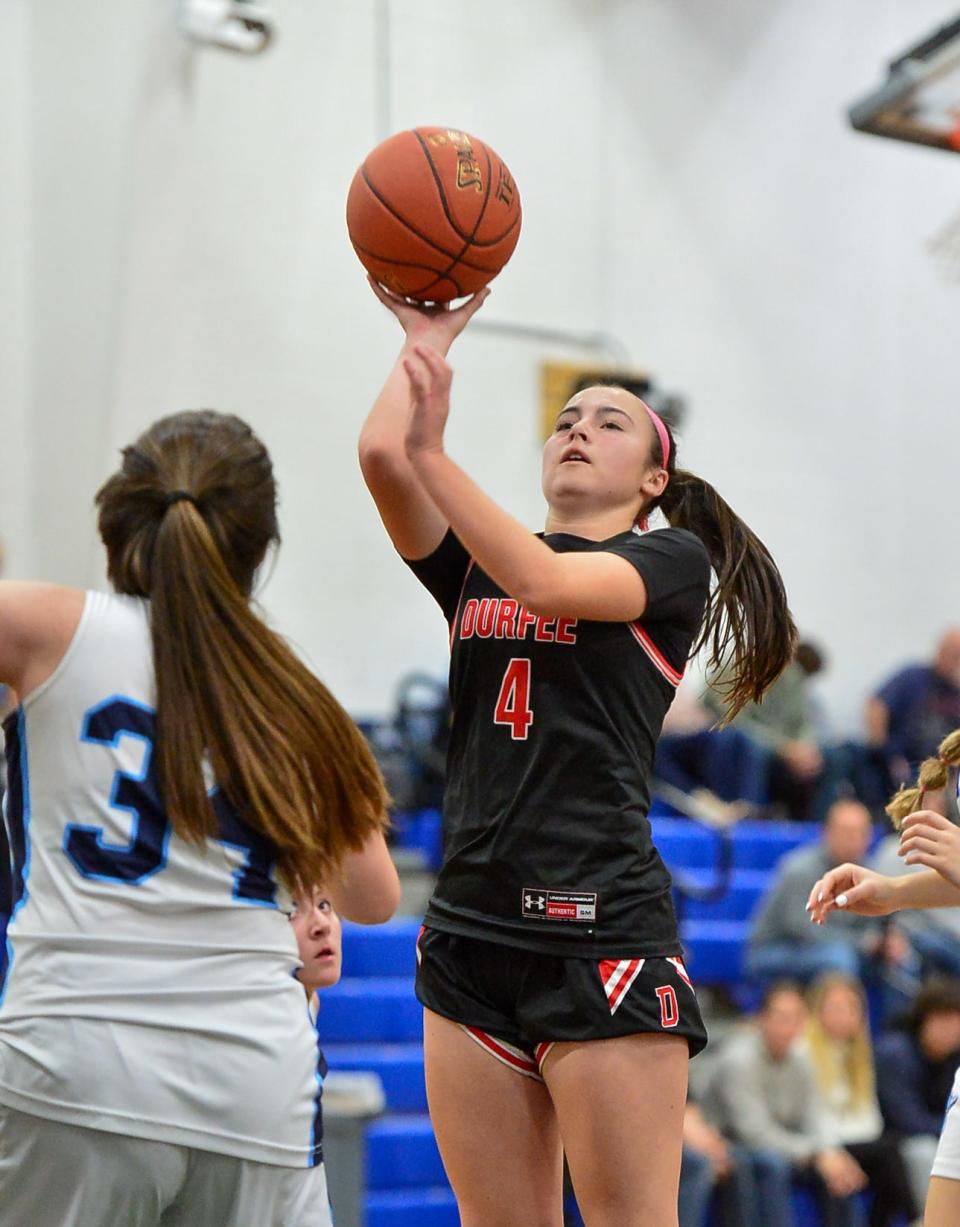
{"points": [[518, 1003]]}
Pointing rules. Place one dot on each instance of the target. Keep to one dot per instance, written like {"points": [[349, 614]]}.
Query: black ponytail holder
{"points": [[179, 496]]}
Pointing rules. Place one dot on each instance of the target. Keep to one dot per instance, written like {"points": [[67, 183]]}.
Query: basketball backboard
{"points": [[920, 99]]}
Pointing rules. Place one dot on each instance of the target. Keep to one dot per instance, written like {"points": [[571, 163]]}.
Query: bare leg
{"points": [[620, 1107], [943, 1203], [497, 1133]]}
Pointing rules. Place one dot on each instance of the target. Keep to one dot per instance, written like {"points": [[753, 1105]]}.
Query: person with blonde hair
{"points": [[176, 774], [931, 841], [840, 1051]]}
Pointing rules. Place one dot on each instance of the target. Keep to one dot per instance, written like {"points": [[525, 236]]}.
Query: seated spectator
{"points": [[915, 1068], [763, 1096], [840, 1050], [783, 942], [915, 709], [318, 931], [712, 1171], [785, 725], [722, 767]]}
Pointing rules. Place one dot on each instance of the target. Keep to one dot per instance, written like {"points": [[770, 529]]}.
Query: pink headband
{"points": [[664, 438], [662, 435]]}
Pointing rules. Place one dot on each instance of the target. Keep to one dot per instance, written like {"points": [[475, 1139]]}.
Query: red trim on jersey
{"points": [[617, 976], [504, 1052], [660, 662], [423, 929], [456, 612], [682, 973], [541, 1052]]}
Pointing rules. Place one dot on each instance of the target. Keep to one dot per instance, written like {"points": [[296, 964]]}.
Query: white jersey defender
{"points": [[123, 934]]}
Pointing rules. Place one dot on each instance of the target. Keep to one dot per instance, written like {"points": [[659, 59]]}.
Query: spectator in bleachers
{"points": [[782, 940], [915, 1066], [763, 1095], [712, 1170], [915, 709], [718, 766], [841, 1053], [784, 725]]}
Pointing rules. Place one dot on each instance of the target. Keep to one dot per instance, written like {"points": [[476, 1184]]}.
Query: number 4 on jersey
{"points": [[513, 701]]}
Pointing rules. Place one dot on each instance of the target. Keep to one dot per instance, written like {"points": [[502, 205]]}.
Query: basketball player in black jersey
{"points": [[556, 999]]}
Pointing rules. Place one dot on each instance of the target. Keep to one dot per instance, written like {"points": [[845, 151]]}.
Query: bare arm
{"points": [[37, 622], [367, 890], [925, 890], [415, 525], [875, 894], [599, 586]]}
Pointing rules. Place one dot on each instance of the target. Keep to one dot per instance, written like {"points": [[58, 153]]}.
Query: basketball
{"points": [[433, 214]]}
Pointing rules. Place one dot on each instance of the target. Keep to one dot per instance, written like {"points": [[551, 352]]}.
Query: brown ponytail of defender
{"points": [[187, 521], [748, 629]]}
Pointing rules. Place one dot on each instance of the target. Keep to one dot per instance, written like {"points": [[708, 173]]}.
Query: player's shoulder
{"points": [[37, 623], [679, 542], [33, 606], [111, 618]]}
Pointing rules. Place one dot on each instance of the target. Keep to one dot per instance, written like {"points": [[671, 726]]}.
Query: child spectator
{"points": [[318, 930]]}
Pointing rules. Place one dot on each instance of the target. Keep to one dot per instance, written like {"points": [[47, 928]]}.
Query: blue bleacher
{"points": [[756, 845], [399, 1067], [372, 1021], [412, 1208], [402, 1153], [379, 1009], [421, 831]]}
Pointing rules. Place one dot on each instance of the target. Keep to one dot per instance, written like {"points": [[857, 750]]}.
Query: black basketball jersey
{"points": [[547, 845]]}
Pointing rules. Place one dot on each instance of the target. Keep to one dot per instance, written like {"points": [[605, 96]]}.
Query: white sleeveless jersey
{"points": [[147, 985]]}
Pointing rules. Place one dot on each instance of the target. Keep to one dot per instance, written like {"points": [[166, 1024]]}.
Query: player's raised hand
{"points": [[437, 324], [927, 838], [430, 379], [852, 889]]}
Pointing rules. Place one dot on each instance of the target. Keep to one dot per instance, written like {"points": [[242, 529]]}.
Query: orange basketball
{"points": [[433, 214]]}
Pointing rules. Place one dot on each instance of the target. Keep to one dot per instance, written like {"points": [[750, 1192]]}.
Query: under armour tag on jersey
{"points": [[542, 904]]}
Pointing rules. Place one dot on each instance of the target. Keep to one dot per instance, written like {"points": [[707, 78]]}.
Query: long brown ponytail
{"points": [[748, 628], [186, 521]]}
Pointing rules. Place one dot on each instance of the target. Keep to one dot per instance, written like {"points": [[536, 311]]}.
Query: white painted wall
{"points": [[689, 185], [15, 285]]}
